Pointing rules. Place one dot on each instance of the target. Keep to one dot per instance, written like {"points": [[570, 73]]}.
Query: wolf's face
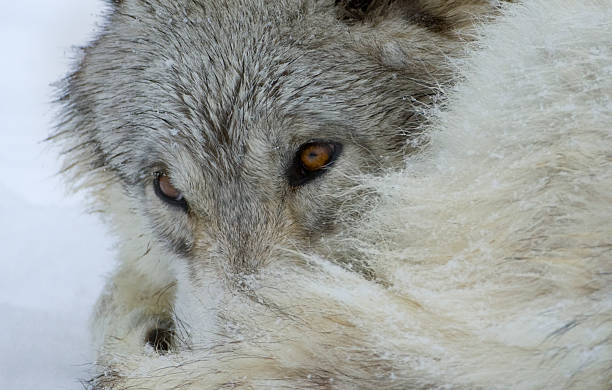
{"points": [[238, 127]]}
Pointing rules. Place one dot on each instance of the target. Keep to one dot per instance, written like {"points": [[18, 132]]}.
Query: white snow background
{"points": [[53, 255]]}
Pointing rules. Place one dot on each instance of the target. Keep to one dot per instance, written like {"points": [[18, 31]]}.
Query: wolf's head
{"points": [[235, 125]]}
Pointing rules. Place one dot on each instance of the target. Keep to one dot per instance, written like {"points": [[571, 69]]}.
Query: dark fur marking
{"points": [[411, 10], [161, 339], [355, 5]]}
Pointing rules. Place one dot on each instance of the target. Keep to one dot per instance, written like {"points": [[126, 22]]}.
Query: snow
{"points": [[54, 256]]}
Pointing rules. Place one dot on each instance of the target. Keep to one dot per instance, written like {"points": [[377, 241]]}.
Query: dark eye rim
{"points": [[180, 203], [298, 175]]}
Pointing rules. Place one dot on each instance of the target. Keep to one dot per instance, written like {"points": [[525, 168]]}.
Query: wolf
{"points": [[328, 194]]}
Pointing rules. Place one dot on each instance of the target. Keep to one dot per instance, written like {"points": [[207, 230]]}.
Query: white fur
{"points": [[495, 245]]}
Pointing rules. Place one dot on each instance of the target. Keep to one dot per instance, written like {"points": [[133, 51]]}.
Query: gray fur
{"points": [[219, 95]]}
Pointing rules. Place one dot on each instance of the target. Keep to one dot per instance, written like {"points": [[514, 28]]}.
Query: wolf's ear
{"points": [[435, 15], [358, 9], [353, 8]]}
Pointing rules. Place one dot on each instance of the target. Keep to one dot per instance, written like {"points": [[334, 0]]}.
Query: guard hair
{"points": [[485, 262]]}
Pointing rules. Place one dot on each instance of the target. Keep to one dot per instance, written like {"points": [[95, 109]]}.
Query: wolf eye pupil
{"points": [[312, 160], [316, 156], [167, 192], [167, 188]]}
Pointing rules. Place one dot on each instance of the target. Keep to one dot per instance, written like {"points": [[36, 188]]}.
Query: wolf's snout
{"points": [[247, 230]]}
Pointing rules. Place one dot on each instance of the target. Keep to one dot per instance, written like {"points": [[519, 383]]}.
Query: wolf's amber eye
{"points": [[167, 192], [311, 160], [315, 156]]}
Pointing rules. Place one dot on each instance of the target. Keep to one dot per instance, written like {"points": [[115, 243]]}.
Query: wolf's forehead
{"points": [[240, 109], [231, 86], [229, 83], [236, 103]]}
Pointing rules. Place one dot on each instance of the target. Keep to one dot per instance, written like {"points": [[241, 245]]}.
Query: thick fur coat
{"points": [[485, 263]]}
